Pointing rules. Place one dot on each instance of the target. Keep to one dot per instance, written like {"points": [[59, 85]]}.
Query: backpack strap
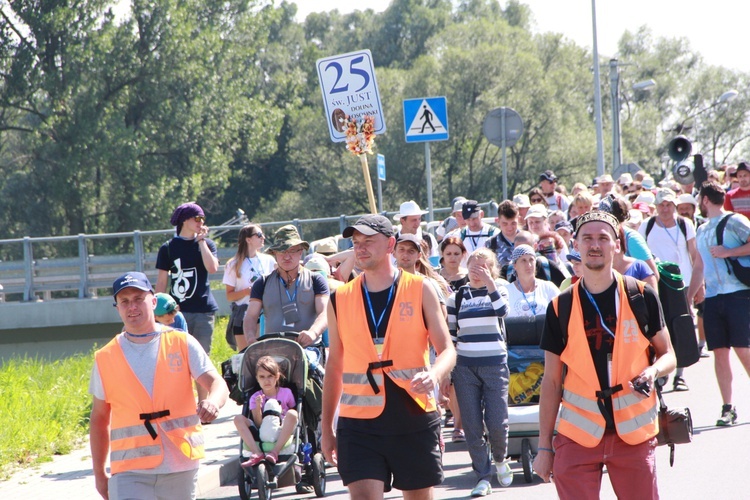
{"points": [[720, 236], [680, 222], [683, 226], [635, 299]]}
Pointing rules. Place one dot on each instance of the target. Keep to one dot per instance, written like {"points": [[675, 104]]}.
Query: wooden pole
{"points": [[368, 183]]}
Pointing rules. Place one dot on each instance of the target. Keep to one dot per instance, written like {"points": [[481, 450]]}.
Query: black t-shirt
{"points": [[601, 343], [401, 415], [189, 283]]}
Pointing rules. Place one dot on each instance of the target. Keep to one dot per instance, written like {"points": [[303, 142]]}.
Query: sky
{"points": [[717, 29]]}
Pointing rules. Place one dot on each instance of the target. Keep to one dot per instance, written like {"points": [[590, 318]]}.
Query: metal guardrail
{"points": [[87, 272]]}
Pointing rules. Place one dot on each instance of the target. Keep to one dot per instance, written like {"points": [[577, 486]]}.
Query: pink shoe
{"points": [[254, 460], [272, 458]]}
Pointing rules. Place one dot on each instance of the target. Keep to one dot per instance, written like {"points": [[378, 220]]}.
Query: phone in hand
{"points": [[642, 387]]}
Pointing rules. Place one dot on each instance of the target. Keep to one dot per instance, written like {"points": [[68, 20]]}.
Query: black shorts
{"points": [[413, 460]]}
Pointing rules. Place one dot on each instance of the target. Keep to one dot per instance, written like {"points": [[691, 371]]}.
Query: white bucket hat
{"points": [[407, 209]]}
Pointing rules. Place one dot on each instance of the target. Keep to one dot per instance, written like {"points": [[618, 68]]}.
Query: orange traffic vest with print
{"points": [[140, 422], [581, 420], [405, 351]]}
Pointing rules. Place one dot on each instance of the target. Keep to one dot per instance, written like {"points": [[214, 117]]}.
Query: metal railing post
{"points": [[28, 266], [83, 258], [138, 249]]}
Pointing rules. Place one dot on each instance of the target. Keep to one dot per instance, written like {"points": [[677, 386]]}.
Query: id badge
{"points": [[291, 314], [379, 346]]}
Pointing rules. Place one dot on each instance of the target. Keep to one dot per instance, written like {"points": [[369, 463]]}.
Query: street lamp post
{"points": [[597, 99], [614, 79]]}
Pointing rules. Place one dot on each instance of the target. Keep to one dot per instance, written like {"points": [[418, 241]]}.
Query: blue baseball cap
{"points": [[131, 280]]}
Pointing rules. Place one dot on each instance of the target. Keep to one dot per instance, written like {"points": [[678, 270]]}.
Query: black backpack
{"points": [[680, 223], [741, 272]]}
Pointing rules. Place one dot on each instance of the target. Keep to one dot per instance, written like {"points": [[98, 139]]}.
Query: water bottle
{"points": [[306, 452]]}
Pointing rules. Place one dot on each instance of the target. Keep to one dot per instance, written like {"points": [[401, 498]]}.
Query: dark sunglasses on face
{"points": [[259, 235], [199, 218], [536, 200]]}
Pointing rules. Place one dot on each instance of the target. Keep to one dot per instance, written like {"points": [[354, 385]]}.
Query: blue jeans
{"points": [[482, 393]]}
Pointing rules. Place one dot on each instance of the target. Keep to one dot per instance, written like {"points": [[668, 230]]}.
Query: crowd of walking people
{"points": [[410, 326]]}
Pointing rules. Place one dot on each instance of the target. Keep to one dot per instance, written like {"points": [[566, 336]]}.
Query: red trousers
{"points": [[577, 470]]}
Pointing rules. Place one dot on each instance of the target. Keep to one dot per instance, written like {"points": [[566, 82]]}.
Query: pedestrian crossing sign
{"points": [[426, 119]]}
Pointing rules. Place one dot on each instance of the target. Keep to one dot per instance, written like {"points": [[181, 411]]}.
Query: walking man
{"points": [[292, 297], [726, 315], [594, 330], [379, 376], [144, 414]]}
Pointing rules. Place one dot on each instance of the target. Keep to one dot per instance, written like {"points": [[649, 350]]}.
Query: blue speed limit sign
{"points": [[348, 84]]}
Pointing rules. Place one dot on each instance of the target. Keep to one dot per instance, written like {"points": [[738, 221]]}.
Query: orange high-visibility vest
{"points": [[405, 351], [580, 418], [135, 439]]}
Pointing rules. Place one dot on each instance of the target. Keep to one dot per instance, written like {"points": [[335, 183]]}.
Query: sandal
{"points": [[272, 458], [458, 436], [254, 460], [679, 385]]}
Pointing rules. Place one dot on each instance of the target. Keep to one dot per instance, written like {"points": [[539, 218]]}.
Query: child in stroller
{"points": [[268, 406]]}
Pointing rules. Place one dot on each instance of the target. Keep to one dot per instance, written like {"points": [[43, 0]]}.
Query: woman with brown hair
{"points": [[242, 270]]}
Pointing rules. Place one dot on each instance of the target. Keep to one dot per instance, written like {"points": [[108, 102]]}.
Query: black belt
{"points": [[602, 395], [375, 366], [148, 417]]}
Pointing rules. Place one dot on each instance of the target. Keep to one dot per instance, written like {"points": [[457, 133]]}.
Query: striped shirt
{"points": [[476, 329]]}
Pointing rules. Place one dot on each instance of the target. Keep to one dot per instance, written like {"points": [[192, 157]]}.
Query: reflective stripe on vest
{"points": [[581, 420], [132, 447], [405, 349]]}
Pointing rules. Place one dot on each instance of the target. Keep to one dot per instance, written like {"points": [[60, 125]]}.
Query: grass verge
{"points": [[46, 405]]}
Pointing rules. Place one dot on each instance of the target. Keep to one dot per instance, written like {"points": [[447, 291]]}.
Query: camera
{"points": [[642, 387]]}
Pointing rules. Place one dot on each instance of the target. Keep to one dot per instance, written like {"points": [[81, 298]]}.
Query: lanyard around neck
{"points": [[601, 318], [283, 285], [532, 306], [369, 304], [252, 266], [677, 233]]}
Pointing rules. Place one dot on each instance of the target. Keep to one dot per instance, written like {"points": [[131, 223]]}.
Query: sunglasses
{"points": [[536, 200], [259, 235], [199, 218]]}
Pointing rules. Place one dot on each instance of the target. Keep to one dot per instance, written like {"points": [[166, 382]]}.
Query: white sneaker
{"points": [[504, 474], [482, 489]]}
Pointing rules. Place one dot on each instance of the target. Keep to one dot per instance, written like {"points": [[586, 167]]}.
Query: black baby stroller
{"points": [[300, 463]]}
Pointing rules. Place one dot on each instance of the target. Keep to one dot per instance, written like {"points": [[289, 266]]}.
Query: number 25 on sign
{"points": [[349, 88]]}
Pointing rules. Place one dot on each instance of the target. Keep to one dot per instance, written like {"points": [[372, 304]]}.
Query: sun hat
{"points": [[625, 179], [604, 178], [538, 211], [647, 183], [370, 224], [165, 304], [522, 201], [407, 209], [686, 198], [646, 197], [665, 194], [327, 246], [642, 206], [316, 262], [131, 280], [285, 238]]}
